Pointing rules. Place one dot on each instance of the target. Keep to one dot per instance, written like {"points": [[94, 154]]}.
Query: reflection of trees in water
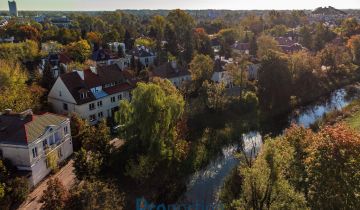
{"points": [[205, 184]]}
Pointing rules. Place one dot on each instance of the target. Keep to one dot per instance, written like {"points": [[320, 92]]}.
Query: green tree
{"points": [[253, 47], [95, 195], [266, 43], [55, 195], [333, 161], [3, 177], [183, 25], [216, 98], [202, 42], [265, 185], [354, 45], [111, 36], [15, 93], [87, 164], [274, 85], [306, 38], [158, 24], [201, 69], [79, 51], [47, 79]]}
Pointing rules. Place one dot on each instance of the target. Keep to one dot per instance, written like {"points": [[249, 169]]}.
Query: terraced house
{"points": [[28, 140], [94, 94]]}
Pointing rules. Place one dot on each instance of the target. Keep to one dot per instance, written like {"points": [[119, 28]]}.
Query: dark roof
{"points": [[284, 40], [103, 55], [105, 75], [220, 63], [25, 128], [292, 48], [141, 51], [167, 71], [241, 46]]}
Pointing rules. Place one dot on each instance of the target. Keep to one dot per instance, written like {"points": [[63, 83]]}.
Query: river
{"points": [[205, 184]]}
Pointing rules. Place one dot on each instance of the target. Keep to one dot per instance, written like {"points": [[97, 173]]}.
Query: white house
{"points": [[93, 94], [27, 140], [144, 55], [253, 71], [220, 74], [173, 72]]}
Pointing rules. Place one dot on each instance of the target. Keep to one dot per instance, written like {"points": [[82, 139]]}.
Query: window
{"points": [[99, 103], [65, 106], [60, 154], [100, 115], [66, 130], [146, 60], [83, 95], [34, 152], [112, 99], [119, 97], [91, 106], [92, 118], [44, 143], [60, 93]]}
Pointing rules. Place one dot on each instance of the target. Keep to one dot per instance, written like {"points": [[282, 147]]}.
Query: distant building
{"points": [[27, 140], [13, 9], [143, 55], [173, 72], [94, 94], [221, 75], [110, 56], [241, 48], [61, 22]]}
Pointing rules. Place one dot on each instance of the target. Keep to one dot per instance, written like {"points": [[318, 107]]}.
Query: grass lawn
{"points": [[354, 121]]}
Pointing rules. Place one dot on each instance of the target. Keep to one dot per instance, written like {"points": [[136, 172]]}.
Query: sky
{"points": [[182, 4]]}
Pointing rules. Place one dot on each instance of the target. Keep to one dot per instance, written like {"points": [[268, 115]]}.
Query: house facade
{"points": [[94, 94], [108, 57], [220, 74], [27, 140], [143, 55]]}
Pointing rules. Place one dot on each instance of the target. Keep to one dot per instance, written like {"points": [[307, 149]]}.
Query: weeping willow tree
{"points": [[149, 126]]}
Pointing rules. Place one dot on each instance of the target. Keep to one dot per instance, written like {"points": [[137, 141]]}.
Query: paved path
{"points": [[66, 176]]}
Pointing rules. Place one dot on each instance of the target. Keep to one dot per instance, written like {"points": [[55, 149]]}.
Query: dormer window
{"points": [[83, 95]]}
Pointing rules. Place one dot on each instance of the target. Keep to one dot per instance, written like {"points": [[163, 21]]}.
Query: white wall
{"points": [[178, 81], [223, 77], [57, 100]]}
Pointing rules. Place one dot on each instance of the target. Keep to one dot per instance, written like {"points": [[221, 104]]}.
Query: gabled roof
{"points": [[141, 51], [167, 71], [105, 75], [103, 55], [241, 46], [24, 128]]}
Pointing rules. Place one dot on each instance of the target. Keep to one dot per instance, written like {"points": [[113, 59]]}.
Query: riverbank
{"points": [[349, 114], [208, 182]]}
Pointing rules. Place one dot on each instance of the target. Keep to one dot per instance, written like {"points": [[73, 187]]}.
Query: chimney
{"points": [[93, 69], [80, 73], [173, 64], [26, 113]]}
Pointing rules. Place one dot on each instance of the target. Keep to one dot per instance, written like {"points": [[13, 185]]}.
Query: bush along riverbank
{"points": [[349, 114], [237, 196]]}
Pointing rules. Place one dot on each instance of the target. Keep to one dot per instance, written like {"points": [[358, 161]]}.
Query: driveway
{"points": [[65, 175]]}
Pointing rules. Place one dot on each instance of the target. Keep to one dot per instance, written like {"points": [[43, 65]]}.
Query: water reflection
{"points": [[205, 185]]}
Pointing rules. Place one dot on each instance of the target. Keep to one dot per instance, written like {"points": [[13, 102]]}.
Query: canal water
{"points": [[205, 185]]}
